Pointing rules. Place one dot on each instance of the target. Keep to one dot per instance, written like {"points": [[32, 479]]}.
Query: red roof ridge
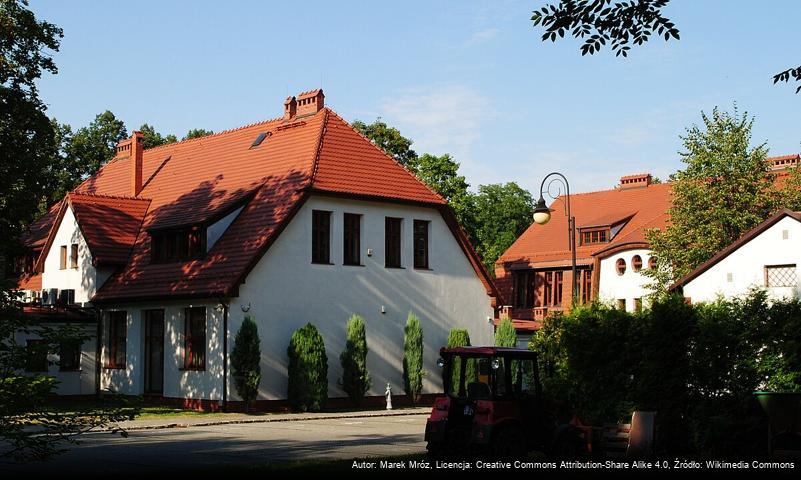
{"points": [[316, 159], [215, 134], [784, 157], [101, 195], [616, 189], [389, 156]]}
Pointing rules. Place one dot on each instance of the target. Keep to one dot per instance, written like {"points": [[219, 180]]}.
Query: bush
{"points": [[246, 361], [307, 389], [355, 378], [696, 366], [459, 337], [505, 334], [413, 358]]}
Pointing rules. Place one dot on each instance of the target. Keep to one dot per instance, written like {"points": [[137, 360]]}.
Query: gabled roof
{"points": [[545, 246], [744, 239], [197, 181]]}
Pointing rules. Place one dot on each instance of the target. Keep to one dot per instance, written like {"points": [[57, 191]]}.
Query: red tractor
{"points": [[493, 404]]}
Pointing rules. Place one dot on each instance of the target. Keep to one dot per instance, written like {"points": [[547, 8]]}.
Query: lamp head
{"points": [[542, 214]]}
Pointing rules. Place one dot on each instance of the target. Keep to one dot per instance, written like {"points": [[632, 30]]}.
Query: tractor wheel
{"points": [[509, 442]]}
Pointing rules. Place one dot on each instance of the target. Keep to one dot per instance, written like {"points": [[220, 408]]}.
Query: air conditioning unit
{"points": [[50, 296]]}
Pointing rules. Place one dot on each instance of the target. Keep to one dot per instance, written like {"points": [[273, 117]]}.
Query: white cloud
{"points": [[439, 118], [482, 36]]}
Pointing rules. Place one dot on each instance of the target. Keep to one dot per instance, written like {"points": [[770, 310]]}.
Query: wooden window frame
{"points": [[178, 245], [621, 304], [321, 237], [594, 236], [636, 263], [548, 289], [72, 351], [393, 242], [36, 364], [117, 339], [522, 281], [351, 239], [195, 345], [558, 286], [620, 266], [767, 268], [586, 286], [420, 242], [63, 258], [652, 262], [74, 256]]}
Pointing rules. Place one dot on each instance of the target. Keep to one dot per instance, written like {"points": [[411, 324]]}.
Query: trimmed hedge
{"points": [[505, 334], [413, 371], [246, 361], [355, 379], [697, 366], [307, 389], [459, 337]]}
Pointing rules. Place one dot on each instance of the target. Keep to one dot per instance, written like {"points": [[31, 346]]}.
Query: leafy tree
{"points": [[459, 337], [723, 191], [93, 146], [152, 138], [413, 371], [307, 389], [246, 361], [505, 334], [502, 213], [441, 173], [600, 22], [197, 133], [390, 140], [355, 377]]}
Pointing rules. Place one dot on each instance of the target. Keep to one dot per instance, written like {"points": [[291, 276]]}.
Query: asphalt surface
{"points": [[181, 449]]}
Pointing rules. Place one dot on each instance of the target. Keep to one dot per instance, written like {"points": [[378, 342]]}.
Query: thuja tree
{"points": [[505, 334], [413, 371], [355, 378], [459, 337], [246, 361], [307, 389]]}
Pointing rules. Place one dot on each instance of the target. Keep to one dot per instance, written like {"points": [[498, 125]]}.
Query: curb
{"points": [[241, 421]]}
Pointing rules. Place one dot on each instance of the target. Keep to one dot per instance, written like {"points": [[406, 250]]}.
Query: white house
{"points": [[765, 257], [295, 220]]}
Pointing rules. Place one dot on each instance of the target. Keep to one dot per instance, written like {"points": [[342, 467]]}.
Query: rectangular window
{"points": [[321, 237], [69, 356], [74, 255], [780, 276], [420, 244], [116, 339], [523, 291], [178, 245], [63, 260], [195, 338], [392, 242], [36, 360], [594, 236], [586, 286], [621, 303], [352, 239], [557, 288], [638, 305], [548, 289]]}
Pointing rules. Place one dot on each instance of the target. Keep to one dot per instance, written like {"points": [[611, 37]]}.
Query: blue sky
{"points": [[468, 78]]}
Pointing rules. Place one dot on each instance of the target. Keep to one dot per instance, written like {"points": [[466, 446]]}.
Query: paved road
{"points": [[176, 449]]}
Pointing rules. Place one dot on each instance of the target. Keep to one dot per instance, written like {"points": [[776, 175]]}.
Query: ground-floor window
{"points": [[195, 338], [116, 339], [36, 360], [69, 356]]}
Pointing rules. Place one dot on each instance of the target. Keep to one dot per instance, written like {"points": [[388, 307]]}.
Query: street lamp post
{"points": [[542, 215]]}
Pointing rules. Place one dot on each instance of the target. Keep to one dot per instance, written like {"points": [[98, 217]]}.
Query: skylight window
{"points": [[260, 139]]}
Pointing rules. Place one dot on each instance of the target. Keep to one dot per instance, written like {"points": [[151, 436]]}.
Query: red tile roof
{"points": [[197, 181], [547, 245]]}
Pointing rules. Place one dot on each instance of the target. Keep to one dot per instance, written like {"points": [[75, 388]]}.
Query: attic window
{"points": [[177, 245], [590, 237], [260, 139]]}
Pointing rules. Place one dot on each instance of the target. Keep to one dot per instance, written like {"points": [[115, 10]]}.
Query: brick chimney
{"points": [[309, 103], [133, 148], [290, 108], [635, 181], [785, 162]]}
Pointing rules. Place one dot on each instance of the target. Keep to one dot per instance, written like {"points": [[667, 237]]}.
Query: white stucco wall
{"points": [[74, 382], [285, 291], [628, 286], [745, 267], [178, 383], [83, 279]]}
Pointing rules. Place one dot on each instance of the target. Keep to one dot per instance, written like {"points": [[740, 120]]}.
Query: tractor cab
{"points": [[492, 403]]}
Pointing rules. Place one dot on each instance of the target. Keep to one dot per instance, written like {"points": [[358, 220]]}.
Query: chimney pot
{"points": [[635, 181], [290, 108], [136, 152], [309, 103]]}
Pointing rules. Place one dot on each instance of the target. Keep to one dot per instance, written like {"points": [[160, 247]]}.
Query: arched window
{"points": [[621, 266], [652, 262], [636, 263]]}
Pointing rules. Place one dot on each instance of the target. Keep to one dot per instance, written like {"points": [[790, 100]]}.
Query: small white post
{"points": [[388, 395]]}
